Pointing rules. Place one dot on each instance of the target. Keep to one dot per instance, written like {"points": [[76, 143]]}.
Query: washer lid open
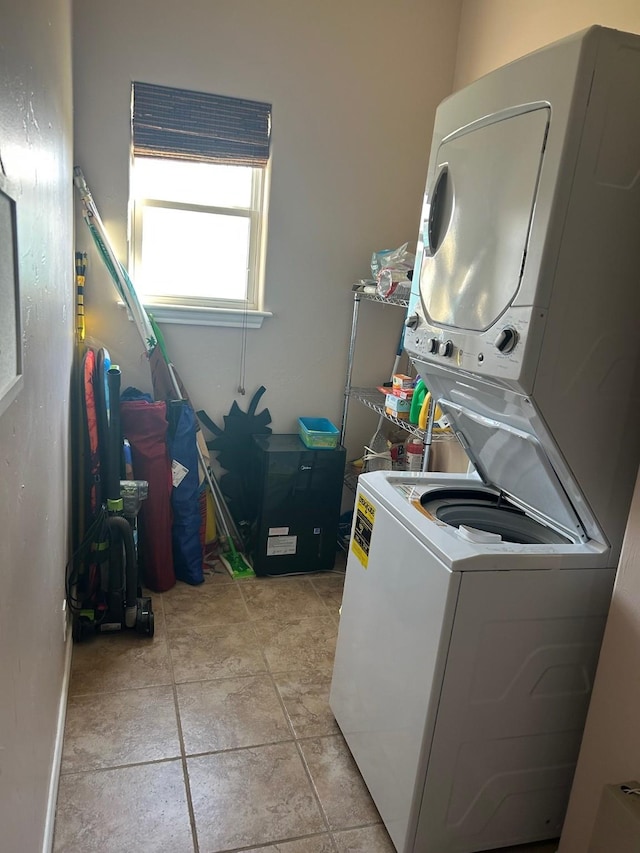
{"points": [[515, 462], [487, 517]]}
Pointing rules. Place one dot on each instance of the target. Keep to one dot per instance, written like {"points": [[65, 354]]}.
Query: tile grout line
{"points": [[328, 835], [297, 747], [299, 740], [252, 847], [325, 817], [324, 603], [183, 754], [118, 691], [89, 770], [292, 731], [203, 754], [334, 616], [173, 633], [270, 674], [296, 741]]}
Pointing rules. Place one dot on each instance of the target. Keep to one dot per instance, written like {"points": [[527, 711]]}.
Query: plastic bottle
{"points": [[414, 448], [419, 393]]}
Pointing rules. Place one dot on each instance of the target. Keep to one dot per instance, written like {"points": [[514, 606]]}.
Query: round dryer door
{"points": [[479, 183]]}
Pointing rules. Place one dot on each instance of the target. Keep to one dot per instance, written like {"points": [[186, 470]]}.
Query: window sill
{"points": [[190, 316]]}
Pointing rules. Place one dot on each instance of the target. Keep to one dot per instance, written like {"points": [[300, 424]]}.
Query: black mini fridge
{"points": [[298, 497]]}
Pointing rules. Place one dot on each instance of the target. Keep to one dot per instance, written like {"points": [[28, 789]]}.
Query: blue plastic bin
{"points": [[318, 433]]}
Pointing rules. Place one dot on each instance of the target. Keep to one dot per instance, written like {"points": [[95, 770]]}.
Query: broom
{"points": [[231, 558], [238, 565]]}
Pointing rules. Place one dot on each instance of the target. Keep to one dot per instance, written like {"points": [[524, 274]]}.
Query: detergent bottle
{"points": [[417, 400]]}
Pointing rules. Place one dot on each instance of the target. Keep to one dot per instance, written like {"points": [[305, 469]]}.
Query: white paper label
{"points": [[178, 473], [280, 545], [278, 531]]}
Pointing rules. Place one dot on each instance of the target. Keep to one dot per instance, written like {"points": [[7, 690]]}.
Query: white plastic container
{"points": [[414, 450]]}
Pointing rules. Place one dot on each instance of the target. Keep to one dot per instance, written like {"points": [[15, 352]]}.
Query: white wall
{"points": [[35, 148], [493, 32], [354, 86]]}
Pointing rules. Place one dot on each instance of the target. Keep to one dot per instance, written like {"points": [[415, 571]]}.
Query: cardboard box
{"points": [[401, 416], [401, 381], [404, 394], [396, 406]]}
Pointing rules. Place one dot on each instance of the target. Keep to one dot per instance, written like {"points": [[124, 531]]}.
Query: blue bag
{"points": [[185, 495]]}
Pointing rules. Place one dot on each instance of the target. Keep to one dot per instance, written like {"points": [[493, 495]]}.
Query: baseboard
{"points": [[52, 798]]}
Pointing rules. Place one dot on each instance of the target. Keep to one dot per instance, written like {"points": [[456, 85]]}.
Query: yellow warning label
{"points": [[361, 540]]}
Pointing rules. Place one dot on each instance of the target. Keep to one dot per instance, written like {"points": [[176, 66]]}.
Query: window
{"points": [[199, 185]]}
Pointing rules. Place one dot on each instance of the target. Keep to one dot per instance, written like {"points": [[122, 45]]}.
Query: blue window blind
{"points": [[185, 125]]}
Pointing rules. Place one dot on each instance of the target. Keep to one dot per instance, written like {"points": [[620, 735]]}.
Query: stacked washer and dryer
{"points": [[474, 607]]}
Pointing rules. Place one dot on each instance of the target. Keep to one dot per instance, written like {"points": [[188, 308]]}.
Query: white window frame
{"points": [[216, 311]]}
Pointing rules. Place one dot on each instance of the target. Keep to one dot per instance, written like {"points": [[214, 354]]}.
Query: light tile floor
{"points": [[216, 735]]}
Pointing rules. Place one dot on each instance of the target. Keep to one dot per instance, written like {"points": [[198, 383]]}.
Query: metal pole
{"points": [[428, 434], [352, 348]]}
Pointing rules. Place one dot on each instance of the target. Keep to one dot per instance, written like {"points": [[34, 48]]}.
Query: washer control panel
{"points": [[506, 340], [498, 352]]}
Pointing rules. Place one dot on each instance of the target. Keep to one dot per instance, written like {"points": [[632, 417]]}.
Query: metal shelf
{"points": [[371, 397], [386, 300], [359, 295]]}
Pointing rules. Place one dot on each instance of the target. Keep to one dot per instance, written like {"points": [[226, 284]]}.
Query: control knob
{"points": [[506, 340], [412, 321], [445, 348], [432, 345]]}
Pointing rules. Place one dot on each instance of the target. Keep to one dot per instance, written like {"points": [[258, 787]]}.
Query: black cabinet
{"points": [[298, 496]]}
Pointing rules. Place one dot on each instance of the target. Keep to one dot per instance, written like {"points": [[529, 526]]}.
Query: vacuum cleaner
{"points": [[103, 591]]}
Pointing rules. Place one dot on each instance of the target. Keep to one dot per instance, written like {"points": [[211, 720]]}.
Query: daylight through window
{"points": [[198, 193]]}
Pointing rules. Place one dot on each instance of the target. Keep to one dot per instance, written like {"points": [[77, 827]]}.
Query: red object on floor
{"points": [[145, 425]]}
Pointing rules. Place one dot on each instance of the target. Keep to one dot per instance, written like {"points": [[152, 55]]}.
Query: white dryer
{"points": [[474, 607]]}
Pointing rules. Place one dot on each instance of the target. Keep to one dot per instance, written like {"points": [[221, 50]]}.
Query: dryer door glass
{"points": [[481, 206]]}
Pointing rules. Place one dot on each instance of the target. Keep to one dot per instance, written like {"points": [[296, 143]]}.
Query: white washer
{"points": [[463, 670], [466, 650]]}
